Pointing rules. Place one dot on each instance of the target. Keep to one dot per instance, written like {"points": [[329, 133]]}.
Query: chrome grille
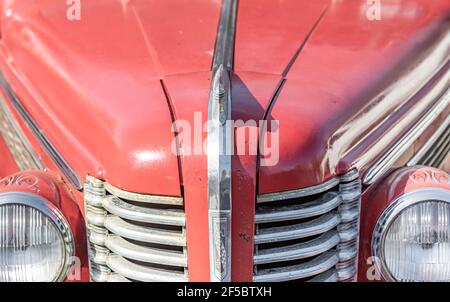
{"points": [[309, 234], [439, 151], [134, 237], [436, 149]]}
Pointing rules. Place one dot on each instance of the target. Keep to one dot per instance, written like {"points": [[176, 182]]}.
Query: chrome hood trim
{"points": [[219, 145], [58, 159]]}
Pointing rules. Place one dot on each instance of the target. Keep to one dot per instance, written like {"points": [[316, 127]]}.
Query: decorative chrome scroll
{"points": [[220, 137]]}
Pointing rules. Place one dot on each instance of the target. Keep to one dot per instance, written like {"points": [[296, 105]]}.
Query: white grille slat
{"points": [[309, 237], [118, 226], [303, 250], [125, 210], [137, 239], [322, 205], [314, 267], [133, 271], [307, 229], [129, 250]]}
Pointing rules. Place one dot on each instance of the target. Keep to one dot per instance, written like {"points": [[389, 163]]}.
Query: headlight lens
{"points": [[35, 241], [412, 237]]}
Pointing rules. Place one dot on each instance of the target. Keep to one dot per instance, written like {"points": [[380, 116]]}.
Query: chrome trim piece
{"points": [[269, 197], [318, 265], [133, 271], [118, 226], [224, 50], [311, 248], [322, 205], [134, 239], [346, 273], [346, 254], [292, 234], [430, 143], [143, 197], [317, 226], [391, 213], [20, 148], [328, 276], [126, 249], [125, 210], [55, 216], [349, 177], [57, 158], [382, 165], [219, 144]]}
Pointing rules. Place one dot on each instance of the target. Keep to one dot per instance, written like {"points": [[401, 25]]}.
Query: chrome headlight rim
{"points": [[54, 215], [389, 215]]}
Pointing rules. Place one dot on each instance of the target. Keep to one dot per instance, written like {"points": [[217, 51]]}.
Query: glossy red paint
{"points": [[252, 93], [270, 33], [98, 77], [193, 89], [52, 188], [127, 65], [351, 75], [387, 191]]}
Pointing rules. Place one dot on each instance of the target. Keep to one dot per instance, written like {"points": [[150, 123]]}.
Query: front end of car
{"points": [[91, 190]]}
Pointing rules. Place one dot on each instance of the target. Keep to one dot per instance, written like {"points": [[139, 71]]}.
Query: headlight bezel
{"points": [[56, 217], [389, 215]]}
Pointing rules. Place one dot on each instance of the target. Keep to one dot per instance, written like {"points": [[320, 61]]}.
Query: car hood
{"points": [[106, 88]]}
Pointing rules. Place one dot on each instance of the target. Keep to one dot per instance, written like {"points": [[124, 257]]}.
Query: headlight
{"points": [[36, 243], [412, 237]]}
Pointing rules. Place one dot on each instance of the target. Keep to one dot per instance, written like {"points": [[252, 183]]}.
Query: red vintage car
{"points": [[208, 140]]}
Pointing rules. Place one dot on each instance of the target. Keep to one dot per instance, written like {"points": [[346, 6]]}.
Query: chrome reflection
{"points": [[219, 144]]}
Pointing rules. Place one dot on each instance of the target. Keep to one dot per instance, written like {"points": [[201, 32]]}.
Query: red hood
{"points": [[97, 81], [109, 68]]}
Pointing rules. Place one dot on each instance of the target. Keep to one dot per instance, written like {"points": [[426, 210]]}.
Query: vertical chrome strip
{"points": [[224, 52], [220, 138]]}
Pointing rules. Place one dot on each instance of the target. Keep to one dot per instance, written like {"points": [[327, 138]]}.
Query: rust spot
{"points": [[245, 236]]}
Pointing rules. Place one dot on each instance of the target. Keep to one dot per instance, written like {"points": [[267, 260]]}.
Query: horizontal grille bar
{"points": [[133, 271], [137, 239], [129, 250], [322, 205], [269, 197], [303, 250], [102, 274], [167, 200], [307, 229], [125, 210], [118, 226], [309, 238], [314, 267], [328, 276]]}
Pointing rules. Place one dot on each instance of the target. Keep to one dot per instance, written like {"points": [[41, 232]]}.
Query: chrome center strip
{"points": [[219, 146]]}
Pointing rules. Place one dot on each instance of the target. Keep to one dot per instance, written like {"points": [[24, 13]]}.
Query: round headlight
{"points": [[412, 237], [36, 242]]}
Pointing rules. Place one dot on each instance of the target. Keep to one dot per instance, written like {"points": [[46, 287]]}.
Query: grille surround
{"points": [[134, 237], [310, 234]]}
